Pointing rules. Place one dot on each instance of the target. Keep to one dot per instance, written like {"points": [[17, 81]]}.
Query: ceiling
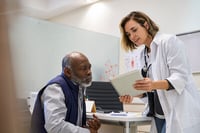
{"points": [[47, 9]]}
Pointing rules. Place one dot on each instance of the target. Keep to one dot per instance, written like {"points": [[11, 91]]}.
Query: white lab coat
{"points": [[181, 106]]}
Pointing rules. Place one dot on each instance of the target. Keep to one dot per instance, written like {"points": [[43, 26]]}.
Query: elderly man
{"points": [[60, 105]]}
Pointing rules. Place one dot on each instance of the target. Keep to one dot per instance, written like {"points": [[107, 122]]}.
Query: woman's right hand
{"points": [[126, 99]]}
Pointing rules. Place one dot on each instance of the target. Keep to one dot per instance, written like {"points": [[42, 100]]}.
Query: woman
{"points": [[175, 103]]}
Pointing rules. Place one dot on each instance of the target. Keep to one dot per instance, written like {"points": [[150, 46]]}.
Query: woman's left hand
{"points": [[145, 84]]}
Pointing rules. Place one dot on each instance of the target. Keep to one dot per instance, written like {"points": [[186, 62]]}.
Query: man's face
{"points": [[81, 71]]}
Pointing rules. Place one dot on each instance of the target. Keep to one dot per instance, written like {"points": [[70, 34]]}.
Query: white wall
{"points": [[177, 16], [103, 17], [172, 16], [38, 46]]}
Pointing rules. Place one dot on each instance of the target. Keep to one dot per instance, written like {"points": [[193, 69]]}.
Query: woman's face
{"points": [[136, 33]]}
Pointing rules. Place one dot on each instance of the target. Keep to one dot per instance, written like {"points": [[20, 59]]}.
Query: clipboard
{"points": [[123, 83]]}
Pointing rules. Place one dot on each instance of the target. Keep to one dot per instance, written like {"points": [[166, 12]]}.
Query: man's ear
{"points": [[146, 25], [67, 72]]}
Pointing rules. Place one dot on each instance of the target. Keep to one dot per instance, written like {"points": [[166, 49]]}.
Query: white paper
{"points": [[124, 83]]}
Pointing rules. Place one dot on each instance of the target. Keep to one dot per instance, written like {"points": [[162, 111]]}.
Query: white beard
{"points": [[86, 85], [78, 81]]}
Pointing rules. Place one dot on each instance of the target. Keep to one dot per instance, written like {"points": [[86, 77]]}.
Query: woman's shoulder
{"points": [[164, 38], [169, 41]]}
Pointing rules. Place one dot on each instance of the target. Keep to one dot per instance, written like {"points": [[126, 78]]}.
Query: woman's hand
{"points": [[145, 84], [126, 99]]}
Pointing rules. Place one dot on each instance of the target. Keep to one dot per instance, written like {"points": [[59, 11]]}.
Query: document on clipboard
{"points": [[123, 83]]}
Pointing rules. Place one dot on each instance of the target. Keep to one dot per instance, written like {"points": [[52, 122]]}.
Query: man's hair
{"points": [[68, 59], [66, 62]]}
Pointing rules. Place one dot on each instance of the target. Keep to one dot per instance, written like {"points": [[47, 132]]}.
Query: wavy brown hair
{"points": [[140, 18]]}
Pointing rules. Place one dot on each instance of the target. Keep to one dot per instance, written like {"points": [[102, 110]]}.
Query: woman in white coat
{"points": [[173, 98]]}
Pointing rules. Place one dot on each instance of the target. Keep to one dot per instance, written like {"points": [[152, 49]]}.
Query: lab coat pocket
{"points": [[187, 110], [171, 96], [173, 125]]}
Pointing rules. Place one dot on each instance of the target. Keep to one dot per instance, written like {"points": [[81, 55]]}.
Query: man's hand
{"points": [[94, 124]]}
